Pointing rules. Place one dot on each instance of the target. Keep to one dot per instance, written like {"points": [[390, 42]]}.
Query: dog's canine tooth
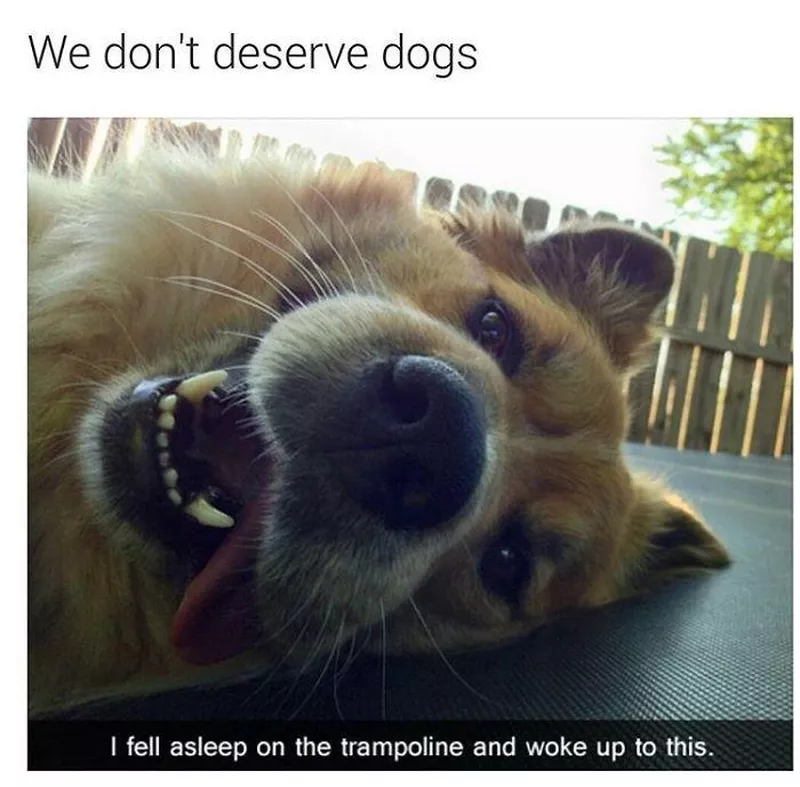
{"points": [[163, 459], [167, 403], [195, 388], [162, 440], [175, 497], [201, 510], [170, 477], [166, 421]]}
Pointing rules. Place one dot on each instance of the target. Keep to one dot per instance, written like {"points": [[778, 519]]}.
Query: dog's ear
{"points": [[614, 274], [674, 539]]}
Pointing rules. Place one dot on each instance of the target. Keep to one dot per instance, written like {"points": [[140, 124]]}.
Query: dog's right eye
{"points": [[506, 564], [492, 326]]}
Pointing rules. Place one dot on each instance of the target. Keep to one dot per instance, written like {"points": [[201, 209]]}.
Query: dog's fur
{"points": [[554, 499]]}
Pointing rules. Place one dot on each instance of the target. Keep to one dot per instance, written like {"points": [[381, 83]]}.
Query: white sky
{"points": [[597, 164]]}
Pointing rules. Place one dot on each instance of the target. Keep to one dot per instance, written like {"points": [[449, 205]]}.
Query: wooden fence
{"points": [[721, 380]]}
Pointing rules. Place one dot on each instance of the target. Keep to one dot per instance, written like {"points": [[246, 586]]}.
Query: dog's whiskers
{"points": [[223, 290], [331, 290], [103, 369], [303, 212], [444, 658], [69, 454], [242, 335], [126, 333], [275, 668], [323, 671], [311, 656], [51, 435], [383, 661], [368, 267], [266, 276], [340, 672], [90, 384]]}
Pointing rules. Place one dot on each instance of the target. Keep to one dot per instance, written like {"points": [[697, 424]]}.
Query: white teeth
{"points": [[195, 388], [166, 421], [201, 510], [167, 403]]}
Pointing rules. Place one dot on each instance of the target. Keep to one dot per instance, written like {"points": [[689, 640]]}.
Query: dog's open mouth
{"points": [[189, 468]]}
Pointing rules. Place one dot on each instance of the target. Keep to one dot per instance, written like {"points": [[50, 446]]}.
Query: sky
{"points": [[595, 164]]}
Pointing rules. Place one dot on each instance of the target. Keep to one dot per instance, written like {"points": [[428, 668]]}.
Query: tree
{"points": [[738, 172]]}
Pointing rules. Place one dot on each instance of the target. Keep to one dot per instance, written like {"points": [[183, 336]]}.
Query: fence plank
{"points": [[570, 213], [208, 139], [438, 193], [640, 394], [773, 376], [300, 155], [695, 273], [116, 137], [233, 146], [76, 141], [470, 195], [605, 216], [788, 436], [44, 138], [264, 146], [505, 200], [333, 162], [724, 269], [740, 381], [535, 213]]}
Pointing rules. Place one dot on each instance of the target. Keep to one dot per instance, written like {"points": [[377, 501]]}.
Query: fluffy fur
{"points": [[168, 266]]}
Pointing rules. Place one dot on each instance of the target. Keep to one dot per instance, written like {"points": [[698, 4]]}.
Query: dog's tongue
{"points": [[216, 618]]}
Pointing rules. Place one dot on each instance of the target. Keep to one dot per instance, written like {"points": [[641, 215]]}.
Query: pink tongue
{"points": [[216, 618]]}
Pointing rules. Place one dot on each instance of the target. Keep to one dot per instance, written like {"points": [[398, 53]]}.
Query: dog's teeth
{"points": [[201, 510], [163, 459], [170, 477], [175, 497], [195, 388], [162, 439], [166, 421], [167, 403]]}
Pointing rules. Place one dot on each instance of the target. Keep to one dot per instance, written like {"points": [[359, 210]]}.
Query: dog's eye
{"points": [[505, 567], [492, 327], [493, 331]]}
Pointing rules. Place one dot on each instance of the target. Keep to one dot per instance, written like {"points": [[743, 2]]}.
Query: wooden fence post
{"points": [[724, 269], [774, 376], [740, 380]]}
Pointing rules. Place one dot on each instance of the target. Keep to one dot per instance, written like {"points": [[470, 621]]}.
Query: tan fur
{"points": [[102, 315]]}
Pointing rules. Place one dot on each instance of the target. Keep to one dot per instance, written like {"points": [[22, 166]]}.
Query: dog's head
{"points": [[332, 416]]}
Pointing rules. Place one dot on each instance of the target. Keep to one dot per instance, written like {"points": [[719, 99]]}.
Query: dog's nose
{"points": [[415, 433]]}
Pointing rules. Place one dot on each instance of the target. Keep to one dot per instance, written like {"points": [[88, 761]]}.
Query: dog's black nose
{"points": [[414, 432]]}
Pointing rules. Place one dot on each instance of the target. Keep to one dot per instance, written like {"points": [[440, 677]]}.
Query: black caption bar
{"points": [[232, 745]]}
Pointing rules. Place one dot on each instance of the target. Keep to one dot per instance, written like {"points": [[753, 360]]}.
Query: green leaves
{"points": [[738, 171]]}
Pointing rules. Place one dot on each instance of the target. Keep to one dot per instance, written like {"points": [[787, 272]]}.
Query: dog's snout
{"points": [[414, 431]]}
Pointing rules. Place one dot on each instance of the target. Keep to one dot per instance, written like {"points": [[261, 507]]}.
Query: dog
{"points": [[274, 409]]}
